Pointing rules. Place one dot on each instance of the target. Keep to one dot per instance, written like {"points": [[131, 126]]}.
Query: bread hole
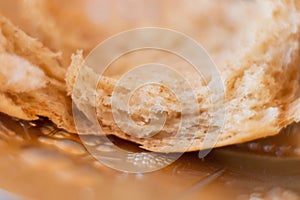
{"points": [[150, 101]]}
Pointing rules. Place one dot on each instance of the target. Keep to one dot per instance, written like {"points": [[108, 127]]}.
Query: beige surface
{"points": [[34, 164]]}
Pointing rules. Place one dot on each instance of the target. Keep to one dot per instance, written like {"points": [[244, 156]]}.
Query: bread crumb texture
{"points": [[258, 59]]}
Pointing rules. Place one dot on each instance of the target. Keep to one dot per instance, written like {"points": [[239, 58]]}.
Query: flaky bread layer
{"points": [[32, 79]]}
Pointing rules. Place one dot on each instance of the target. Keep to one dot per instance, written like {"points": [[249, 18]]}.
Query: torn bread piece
{"points": [[260, 74], [70, 27], [32, 79]]}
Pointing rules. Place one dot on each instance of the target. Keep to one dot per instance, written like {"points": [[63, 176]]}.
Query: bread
{"points": [[70, 28], [32, 79], [258, 61], [254, 44]]}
